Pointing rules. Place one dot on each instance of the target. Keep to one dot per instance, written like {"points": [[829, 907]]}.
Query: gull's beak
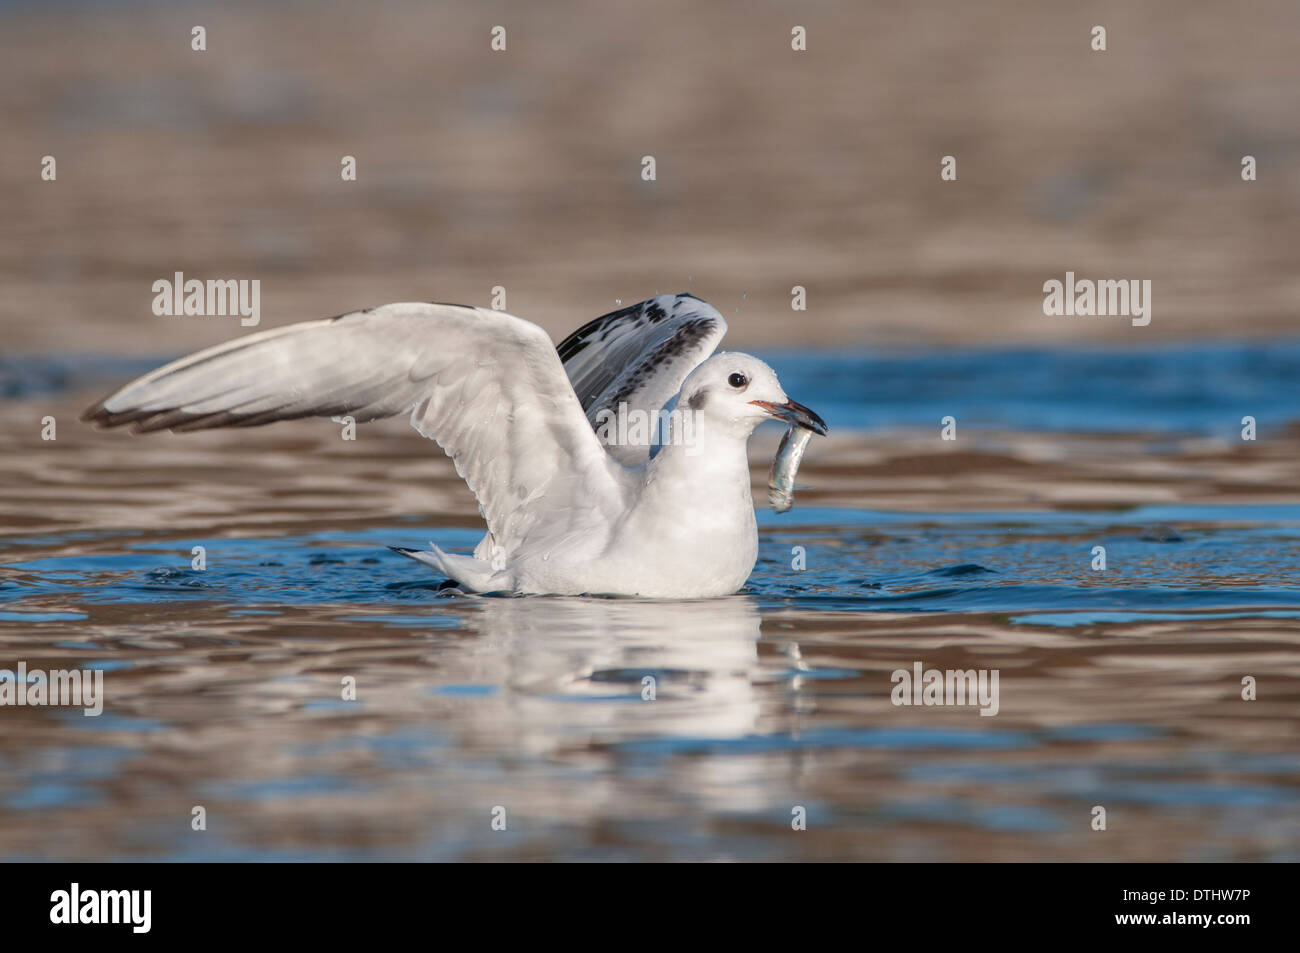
{"points": [[795, 414]]}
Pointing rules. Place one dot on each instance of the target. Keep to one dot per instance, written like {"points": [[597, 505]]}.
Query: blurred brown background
{"points": [[775, 168]]}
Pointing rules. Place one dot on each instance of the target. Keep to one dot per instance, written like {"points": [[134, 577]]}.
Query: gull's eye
{"points": [[737, 380]]}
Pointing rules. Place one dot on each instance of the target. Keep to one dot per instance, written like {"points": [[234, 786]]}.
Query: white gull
{"points": [[567, 513]]}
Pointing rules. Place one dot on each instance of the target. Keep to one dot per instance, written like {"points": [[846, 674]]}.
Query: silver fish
{"points": [[780, 482]]}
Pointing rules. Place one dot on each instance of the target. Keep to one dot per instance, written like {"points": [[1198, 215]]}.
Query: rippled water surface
{"points": [[1119, 687]]}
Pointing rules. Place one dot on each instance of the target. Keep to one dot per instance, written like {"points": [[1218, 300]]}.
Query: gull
{"points": [[568, 512]]}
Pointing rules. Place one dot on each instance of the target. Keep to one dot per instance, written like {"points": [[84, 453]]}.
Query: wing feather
{"points": [[637, 358], [488, 387]]}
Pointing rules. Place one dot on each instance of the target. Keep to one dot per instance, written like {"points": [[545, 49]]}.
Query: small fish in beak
{"points": [[780, 482], [803, 424]]}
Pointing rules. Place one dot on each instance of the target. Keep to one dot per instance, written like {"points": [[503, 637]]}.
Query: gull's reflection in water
{"points": [[540, 704], [617, 668]]}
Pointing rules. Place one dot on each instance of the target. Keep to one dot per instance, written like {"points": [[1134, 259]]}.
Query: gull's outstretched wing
{"points": [[488, 387], [639, 357]]}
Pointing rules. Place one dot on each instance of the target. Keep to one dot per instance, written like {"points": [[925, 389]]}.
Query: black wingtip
{"points": [[413, 554], [98, 413]]}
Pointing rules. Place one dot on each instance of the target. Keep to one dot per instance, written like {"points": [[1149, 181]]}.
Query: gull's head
{"points": [[736, 392]]}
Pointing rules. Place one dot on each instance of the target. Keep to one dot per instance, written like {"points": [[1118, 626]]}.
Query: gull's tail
{"points": [[473, 575]]}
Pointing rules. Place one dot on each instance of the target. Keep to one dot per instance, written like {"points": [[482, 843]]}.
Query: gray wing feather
{"points": [[486, 386], [638, 357]]}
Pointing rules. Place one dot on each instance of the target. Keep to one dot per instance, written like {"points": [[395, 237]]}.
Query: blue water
{"points": [[1200, 387], [1040, 564]]}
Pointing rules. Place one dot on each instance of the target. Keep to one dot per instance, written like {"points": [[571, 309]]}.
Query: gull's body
{"points": [[566, 514]]}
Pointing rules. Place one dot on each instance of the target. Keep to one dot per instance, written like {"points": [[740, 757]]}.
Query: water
{"points": [[1118, 688]]}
